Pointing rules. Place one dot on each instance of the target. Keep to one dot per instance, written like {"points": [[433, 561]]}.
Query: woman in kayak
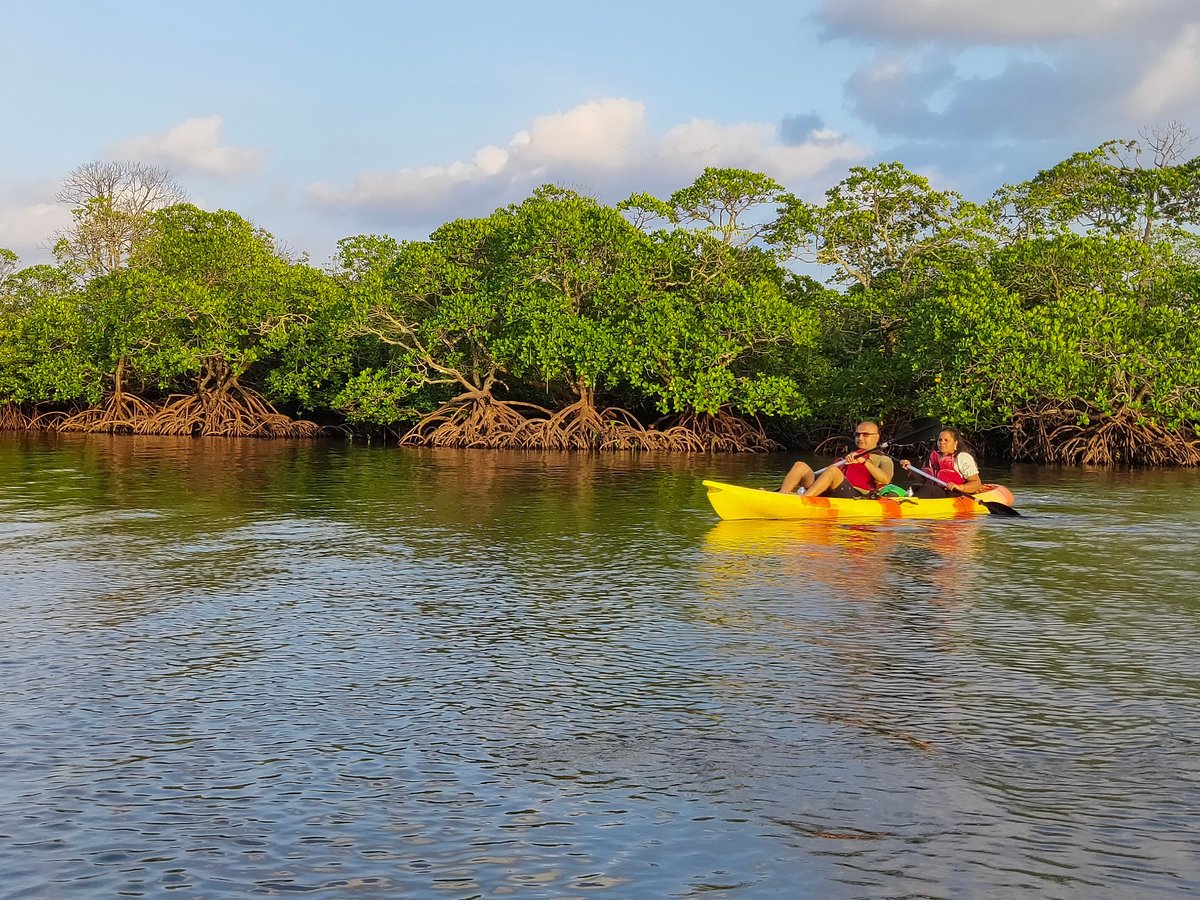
{"points": [[950, 464], [855, 475]]}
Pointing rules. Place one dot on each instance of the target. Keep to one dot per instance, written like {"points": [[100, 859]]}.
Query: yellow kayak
{"points": [[733, 502]]}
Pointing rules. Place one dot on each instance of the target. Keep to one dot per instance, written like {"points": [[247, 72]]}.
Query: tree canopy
{"points": [[1057, 321]]}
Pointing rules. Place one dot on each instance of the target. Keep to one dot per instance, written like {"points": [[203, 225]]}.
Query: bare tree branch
{"points": [[112, 205]]}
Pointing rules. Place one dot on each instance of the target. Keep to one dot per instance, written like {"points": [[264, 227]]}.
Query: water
{"points": [[267, 668]]}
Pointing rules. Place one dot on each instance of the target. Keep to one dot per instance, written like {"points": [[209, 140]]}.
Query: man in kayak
{"points": [[855, 475]]}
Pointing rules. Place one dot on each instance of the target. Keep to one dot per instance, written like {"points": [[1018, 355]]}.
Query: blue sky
{"points": [[319, 121]]}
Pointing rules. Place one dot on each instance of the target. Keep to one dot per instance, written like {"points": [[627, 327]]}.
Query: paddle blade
{"points": [[996, 508], [925, 425], [919, 431]]}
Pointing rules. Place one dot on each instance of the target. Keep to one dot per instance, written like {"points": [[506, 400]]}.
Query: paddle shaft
{"points": [[992, 506], [913, 436], [937, 480]]}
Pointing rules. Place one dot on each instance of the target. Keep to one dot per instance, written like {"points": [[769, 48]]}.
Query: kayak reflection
{"points": [[874, 616], [863, 559]]}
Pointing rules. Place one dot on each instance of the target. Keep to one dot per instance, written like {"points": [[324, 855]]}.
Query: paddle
{"points": [[995, 507], [919, 431]]}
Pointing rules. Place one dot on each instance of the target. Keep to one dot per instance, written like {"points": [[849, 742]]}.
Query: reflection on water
{"points": [[857, 559], [271, 667]]}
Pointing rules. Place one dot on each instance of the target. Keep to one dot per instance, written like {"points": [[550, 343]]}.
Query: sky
{"points": [[319, 121]]}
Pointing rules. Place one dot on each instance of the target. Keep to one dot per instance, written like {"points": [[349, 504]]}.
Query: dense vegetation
{"points": [[1057, 322]]}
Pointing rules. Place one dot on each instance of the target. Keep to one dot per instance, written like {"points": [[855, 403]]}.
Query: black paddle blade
{"points": [[919, 431], [996, 508], [925, 424]]}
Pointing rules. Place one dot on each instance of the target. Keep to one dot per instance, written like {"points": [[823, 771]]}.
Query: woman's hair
{"points": [[960, 445]]}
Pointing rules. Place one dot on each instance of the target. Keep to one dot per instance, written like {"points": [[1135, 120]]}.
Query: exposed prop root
{"points": [[232, 413], [482, 421], [1057, 436], [12, 418], [720, 433], [120, 414], [47, 421], [476, 420], [581, 426], [835, 443]]}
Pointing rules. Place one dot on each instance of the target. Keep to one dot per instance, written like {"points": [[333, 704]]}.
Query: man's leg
{"points": [[826, 481], [799, 475]]}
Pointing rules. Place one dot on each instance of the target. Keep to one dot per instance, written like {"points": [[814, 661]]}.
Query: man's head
{"points": [[866, 436]]}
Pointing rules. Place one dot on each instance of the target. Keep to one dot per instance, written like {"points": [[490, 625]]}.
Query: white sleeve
{"points": [[966, 465]]}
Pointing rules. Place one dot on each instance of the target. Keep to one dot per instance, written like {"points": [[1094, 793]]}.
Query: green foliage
{"points": [[721, 331], [334, 364], [8, 263], [1121, 188], [724, 204], [434, 320], [216, 297], [981, 351], [560, 297], [1073, 294], [1040, 270], [132, 321], [568, 272], [40, 336], [380, 396], [717, 324], [882, 220]]}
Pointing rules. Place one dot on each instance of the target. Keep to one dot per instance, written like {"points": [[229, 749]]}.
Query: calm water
{"points": [[277, 669]]}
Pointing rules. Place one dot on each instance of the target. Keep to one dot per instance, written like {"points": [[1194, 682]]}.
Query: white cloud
{"points": [[29, 221], [604, 144], [1172, 79], [191, 146], [754, 146], [603, 134], [985, 21], [1030, 78]]}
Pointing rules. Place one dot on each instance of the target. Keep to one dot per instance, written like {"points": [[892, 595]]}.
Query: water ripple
{"points": [[322, 670]]}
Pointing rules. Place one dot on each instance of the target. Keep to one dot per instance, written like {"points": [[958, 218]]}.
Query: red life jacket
{"points": [[857, 474], [943, 467]]}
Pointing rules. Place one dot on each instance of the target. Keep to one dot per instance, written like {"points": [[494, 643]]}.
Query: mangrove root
{"points": [[226, 414], [12, 418], [1071, 437], [119, 414]]}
